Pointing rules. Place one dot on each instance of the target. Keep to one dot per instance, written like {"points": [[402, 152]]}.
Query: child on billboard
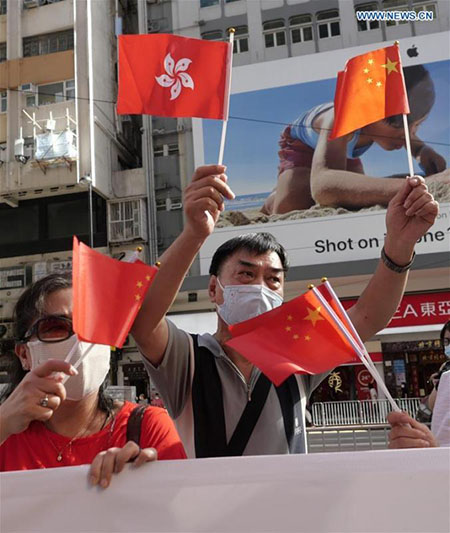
{"points": [[314, 169]]}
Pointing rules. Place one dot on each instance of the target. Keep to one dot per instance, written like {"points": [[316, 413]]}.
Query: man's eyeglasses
{"points": [[50, 329]]}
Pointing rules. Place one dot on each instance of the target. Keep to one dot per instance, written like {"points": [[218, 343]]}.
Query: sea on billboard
{"points": [[284, 170]]}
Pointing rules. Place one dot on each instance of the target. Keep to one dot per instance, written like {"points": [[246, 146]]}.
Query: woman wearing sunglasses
{"points": [[56, 415]]}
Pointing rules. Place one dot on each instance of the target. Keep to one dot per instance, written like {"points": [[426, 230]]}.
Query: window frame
{"points": [[4, 52], [327, 22], [40, 45], [369, 24], [301, 27], [275, 32], [218, 32], [240, 36], [32, 100], [3, 102]]}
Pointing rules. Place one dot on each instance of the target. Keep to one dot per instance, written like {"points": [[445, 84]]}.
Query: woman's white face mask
{"points": [[91, 371], [242, 302]]}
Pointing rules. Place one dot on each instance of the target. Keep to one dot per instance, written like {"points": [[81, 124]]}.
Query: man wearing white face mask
{"points": [[47, 422], [221, 403]]}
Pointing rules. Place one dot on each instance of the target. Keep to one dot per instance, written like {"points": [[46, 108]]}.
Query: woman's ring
{"points": [[44, 402]]}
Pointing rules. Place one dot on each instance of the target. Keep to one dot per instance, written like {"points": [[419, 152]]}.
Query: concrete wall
{"points": [[47, 19]]}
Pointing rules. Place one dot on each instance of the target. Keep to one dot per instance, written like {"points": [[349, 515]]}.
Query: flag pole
{"points": [[231, 32], [363, 355], [77, 363], [405, 127]]}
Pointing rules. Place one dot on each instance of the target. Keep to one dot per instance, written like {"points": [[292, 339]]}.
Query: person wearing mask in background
{"points": [[407, 432], [219, 400], [45, 423]]}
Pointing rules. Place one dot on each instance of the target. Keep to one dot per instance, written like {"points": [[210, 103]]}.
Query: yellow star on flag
{"points": [[378, 84], [289, 317], [370, 61], [307, 338], [295, 337], [137, 297], [288, 328], [139, 284], [148, 278], [390, 66], [314, 315], [366, 71], [369, 80]]}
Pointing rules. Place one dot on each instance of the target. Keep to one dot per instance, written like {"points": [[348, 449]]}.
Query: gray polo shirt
{"points": [[173, 379]]}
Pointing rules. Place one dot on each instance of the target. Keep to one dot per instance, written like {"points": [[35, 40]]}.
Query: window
{"points": [[274, 33], [48, 44], [215, 35], [207, 3], [395, 5], [3, 102], [425, 7], [51, 93], [240, 44], [330, 28], [365, 25], [3, 7], [2, 52], [301, 28]]}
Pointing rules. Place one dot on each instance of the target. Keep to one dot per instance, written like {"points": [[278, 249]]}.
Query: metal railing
{"points": [[356, 412], [347, 438]]}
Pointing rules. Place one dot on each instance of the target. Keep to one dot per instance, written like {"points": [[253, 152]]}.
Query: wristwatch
{"points": [[393, 266]]}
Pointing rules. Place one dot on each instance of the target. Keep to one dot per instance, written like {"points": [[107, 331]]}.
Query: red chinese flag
{"points": [[299, 337], [173, 76], [370, 88], [107, 295]]}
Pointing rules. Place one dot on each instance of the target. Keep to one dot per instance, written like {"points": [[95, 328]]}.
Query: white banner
{"points": [[319, 241], [376, 492]]}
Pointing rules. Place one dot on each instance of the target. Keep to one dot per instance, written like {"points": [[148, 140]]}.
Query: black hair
{"points": [[256, 243], [29, 307], [443, 331], [421, 95]]}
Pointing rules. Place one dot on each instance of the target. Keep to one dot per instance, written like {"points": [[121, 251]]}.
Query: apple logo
{"points": [[412, 52]]}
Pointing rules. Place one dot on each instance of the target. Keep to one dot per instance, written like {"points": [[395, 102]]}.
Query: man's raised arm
{"points": [[409, 216], [202, 202]]}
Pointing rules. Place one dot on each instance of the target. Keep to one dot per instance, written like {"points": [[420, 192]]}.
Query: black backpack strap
{"points": [[249, 417], [207, 405], [289, 398], [134, 424]]}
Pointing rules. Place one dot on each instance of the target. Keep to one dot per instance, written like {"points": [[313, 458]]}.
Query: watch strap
{"points": [[393, 266]]}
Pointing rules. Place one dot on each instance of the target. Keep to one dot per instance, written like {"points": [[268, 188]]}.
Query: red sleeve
{"points": [[158, 431]]}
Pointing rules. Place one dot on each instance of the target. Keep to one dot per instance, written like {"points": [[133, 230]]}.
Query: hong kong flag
{"points": [[107, 295], [173, 76]]}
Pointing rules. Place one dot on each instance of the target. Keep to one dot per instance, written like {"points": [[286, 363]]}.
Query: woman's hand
{"points": [[35, 398], [112, 461]]}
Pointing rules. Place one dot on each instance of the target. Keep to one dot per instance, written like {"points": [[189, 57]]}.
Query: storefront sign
{"points": [[418, 309], [13, 278]]}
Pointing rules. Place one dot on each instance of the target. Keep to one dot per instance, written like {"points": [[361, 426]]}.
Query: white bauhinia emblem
{"points": [[176, 76]]}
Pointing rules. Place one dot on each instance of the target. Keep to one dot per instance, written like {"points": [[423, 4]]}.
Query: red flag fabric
{"points": [[107, 295], [370, 88], [298, 337], [173, 76]]}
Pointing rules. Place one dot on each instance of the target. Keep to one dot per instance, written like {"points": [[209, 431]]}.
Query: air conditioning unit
{"points": [[127, 220], [28, 88], [61, 266], [28, 4], [6, 331]]}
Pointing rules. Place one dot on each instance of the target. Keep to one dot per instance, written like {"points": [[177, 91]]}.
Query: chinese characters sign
{"points": [[419, 309]]}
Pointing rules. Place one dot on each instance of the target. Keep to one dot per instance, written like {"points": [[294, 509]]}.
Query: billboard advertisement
{"points": [[323, 205]]}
